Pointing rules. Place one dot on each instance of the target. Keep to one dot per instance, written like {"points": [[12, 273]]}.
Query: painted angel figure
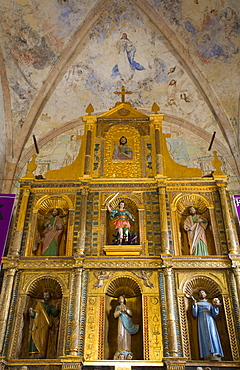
{"points": [[145, 275], [101, 276]]}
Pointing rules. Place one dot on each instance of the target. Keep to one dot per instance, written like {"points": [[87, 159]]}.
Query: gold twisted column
{"points": [[5, 300], [171, 322], [231, 241], [74, 337], [81, 239], [17, 239], [163, 221]]}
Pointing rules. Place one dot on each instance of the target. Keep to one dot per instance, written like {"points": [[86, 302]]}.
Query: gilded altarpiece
{"points": [[86, 266]]}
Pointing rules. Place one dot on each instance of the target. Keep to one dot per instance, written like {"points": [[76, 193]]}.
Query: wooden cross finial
{"points": [[123, 93]]}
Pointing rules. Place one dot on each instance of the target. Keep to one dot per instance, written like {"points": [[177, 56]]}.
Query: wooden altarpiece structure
{"points": [[155, 272]]}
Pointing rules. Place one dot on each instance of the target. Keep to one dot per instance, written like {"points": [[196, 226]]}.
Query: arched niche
{"points": [[39, 237], [34, 298], [129, 288], [213, 289], [130, 206], [180, 212]]}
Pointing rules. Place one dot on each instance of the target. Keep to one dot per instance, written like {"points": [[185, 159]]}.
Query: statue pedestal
{"points": [[122, 250]]}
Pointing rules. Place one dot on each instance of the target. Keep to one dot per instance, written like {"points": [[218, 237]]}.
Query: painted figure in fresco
{"points": [[195, 226], [53, 230], [42, 322], [209, 341], [126, 328], [122, 151], [121, 218], [126, 64]]}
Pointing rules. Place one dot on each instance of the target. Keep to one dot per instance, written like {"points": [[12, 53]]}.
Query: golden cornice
{"points": [[10, 263], [189, 185], [36, 362], [39, 263], [122, 264], [198, 262], [235, 260], [164, 261]]}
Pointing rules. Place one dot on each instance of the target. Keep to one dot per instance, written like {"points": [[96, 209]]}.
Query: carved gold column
{"points": [[17, 239], [89, 137], [236, 271], [214, 231], [31, 234], [6, 299], [176, 231], [156, 136], [231, 241], [82, 233], [171, 322], [74, 338], [142, 230], [163, 221]]}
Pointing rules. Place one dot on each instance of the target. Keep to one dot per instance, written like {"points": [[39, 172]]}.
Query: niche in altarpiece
{"points": [[192, 326], [50, 232], [196, 231], [41, 320], [112, 222], [127, 287]]}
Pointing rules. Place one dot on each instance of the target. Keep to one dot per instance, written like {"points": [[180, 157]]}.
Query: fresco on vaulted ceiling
{"points": [[36, 34]]}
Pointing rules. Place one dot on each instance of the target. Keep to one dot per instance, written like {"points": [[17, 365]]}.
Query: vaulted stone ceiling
{"points": [[58, 56]]}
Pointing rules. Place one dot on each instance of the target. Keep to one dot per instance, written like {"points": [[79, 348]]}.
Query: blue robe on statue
{"points": [[209, 341]]}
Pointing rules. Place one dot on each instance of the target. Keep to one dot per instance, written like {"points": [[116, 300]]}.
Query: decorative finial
{"points": [[155, 108], [89, 109], [217, 164], [122, 93], [31, 167]]}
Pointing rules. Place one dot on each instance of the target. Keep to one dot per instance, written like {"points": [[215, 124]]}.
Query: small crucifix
{"points": [[123, 93]]}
